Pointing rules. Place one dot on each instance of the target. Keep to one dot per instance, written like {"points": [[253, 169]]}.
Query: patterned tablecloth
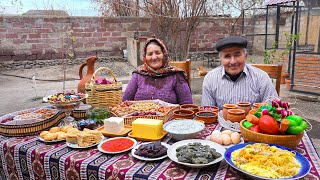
{"points": [[29, 158]]}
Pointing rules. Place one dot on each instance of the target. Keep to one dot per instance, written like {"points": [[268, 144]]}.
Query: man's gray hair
{"points": [[244, 51]]}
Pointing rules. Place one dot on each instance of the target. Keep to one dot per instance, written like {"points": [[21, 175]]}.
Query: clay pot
{"points": [[245, 106], [208, 117], [192, 107], [183, 114], [209, 108], [257, 105], [236, 115], [90, 70], [226, 107], [252, 111]]}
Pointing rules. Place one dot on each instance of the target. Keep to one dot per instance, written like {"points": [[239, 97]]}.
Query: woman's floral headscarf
{"points": [[166, 68]]}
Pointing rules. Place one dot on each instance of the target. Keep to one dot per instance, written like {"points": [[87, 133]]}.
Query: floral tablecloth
{"points": [[29, 158]]}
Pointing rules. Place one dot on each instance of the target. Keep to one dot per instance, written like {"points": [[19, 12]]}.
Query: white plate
{"points": [[76, 146], [230, 145], [172, 151], [146, 158], [55, 140], [103, 151]]}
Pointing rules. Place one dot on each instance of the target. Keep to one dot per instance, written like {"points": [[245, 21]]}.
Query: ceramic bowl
{"points": [[183, 129], [226, 107], [183, 114], [192, 107], [209, 108], [208, 117], [236, 115]]}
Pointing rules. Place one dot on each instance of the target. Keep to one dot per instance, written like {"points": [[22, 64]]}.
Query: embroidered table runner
{"points": [[29, 158]]}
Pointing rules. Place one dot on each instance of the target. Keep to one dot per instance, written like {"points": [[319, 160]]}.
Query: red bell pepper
{"points": [[268, 125], [255, 128]]}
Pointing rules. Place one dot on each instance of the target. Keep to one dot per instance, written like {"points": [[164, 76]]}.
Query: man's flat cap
{"points": [[231, 41]]}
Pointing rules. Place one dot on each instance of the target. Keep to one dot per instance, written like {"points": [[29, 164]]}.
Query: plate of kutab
{"points": [[150, 151]]}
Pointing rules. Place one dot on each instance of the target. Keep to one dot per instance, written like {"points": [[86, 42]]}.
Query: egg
{"points": [[229, 132], [235, 138], [216, 132], [226, 140], [216, 138]]}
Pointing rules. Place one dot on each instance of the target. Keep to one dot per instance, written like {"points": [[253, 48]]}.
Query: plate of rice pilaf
{"points": [[267, 161]]}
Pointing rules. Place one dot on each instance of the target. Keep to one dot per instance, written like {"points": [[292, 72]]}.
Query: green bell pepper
{"points": [[247, 124], [297, 124]]}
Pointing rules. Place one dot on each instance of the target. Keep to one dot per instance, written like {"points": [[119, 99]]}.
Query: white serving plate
{"points": [[172, 152], [108, 152], [146, 158], [55, 140], [76, 146]]}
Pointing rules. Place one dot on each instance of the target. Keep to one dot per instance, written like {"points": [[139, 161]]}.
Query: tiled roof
{"points": [[271, 2]]}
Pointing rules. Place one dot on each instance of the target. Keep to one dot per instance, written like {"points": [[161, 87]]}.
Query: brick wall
{"points": [[307, 72], [41, 38]]}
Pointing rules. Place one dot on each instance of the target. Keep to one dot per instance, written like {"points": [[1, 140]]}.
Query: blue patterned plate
{"points": [[304, 170]]}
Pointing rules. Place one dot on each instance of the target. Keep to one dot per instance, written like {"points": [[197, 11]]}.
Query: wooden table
{"points": [[29, 158]]}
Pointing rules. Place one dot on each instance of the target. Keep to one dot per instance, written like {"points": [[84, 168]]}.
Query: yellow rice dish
{"points": [[266, 161]]}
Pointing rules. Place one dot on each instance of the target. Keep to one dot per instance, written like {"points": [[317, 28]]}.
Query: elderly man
{"points": [[235, 81]]}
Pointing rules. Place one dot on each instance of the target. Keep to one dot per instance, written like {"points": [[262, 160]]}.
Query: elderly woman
{"points": [[156, 79]]}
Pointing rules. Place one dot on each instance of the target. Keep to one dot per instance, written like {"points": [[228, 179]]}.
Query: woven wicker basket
{"points": [[104, 95], [31, 129], [290, 141], [166, 117]]}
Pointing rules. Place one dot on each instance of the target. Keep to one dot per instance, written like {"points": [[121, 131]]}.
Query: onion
{"points": [[265, 112]]}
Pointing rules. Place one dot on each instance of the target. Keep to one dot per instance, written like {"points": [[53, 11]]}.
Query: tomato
{"points": [[268, 125], [255, 128]]}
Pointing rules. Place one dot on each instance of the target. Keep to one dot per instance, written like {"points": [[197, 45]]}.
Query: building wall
{"points": [[25, 38], [307, 73]]}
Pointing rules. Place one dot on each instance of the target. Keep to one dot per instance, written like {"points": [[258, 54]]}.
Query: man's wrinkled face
{"points": [[233, 59]]}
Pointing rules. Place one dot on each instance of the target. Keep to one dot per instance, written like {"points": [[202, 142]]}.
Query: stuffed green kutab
{"points": [[297, 124]]}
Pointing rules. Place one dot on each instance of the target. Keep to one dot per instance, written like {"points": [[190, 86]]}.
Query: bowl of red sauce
{"points": [[117, 145]]}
